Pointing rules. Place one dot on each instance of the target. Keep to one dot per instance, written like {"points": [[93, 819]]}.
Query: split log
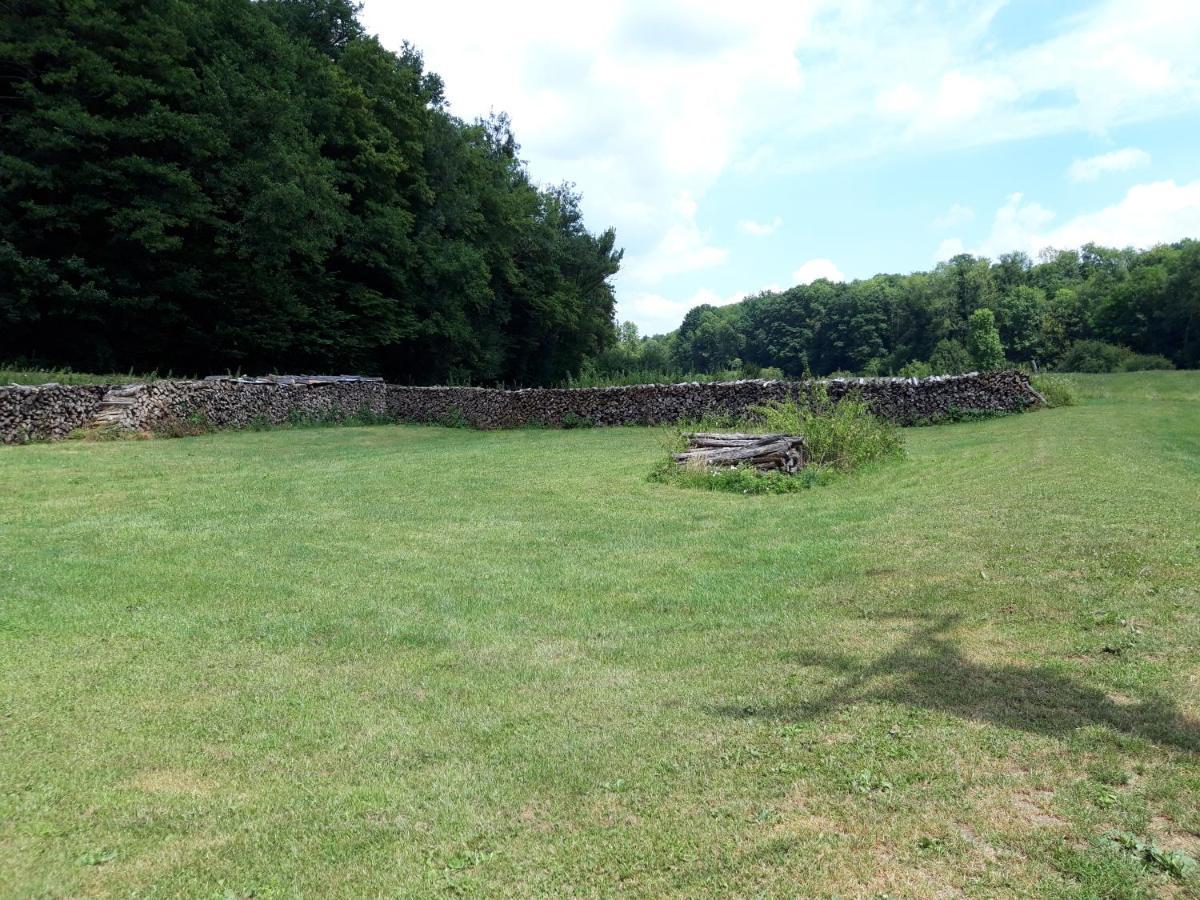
{"points": [[766, 452]]}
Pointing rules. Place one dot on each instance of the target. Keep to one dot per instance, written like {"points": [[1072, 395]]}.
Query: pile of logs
{"points": [[766, 452], [48, 412]]}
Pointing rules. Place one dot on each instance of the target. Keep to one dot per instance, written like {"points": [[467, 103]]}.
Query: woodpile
{"points": [[238, 403], [118, 407], [47, 412], [905, 401], [765, 452], [53, 411]]}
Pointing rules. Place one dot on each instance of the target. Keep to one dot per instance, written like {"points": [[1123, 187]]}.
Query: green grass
{"points": [[402, 661]]}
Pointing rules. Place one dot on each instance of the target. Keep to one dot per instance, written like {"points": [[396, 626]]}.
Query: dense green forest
{"points": [[1096, 309], [205, 185]]}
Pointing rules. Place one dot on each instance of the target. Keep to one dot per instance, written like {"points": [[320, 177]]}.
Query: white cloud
{"points": [[1117, 161], [957, 214], [816, 269], [1015, 224], [1148, 214], [948, 249], [657, 314], [683, 248], [899, 100], [641, 101], [760, 229], [961, 96], [1118, 64], [636, 102]]}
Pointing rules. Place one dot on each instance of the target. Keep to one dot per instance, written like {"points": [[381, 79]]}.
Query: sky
{"points": [[737, 147]]}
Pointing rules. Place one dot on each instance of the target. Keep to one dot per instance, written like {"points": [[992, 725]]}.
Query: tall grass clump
{"points": [[18, 373], [840, 434], [1057, 389]]}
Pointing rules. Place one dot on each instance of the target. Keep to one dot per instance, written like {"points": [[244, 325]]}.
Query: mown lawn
{"points": [[402, 661]]}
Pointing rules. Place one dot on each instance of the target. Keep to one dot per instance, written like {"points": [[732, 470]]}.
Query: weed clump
{"points": [[193, 424], [1057, 389], [841, 436]]}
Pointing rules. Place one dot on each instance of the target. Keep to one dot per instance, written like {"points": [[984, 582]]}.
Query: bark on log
{"points": [[766, 452]]}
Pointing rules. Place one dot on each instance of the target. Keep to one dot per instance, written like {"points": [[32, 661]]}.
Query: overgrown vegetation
{"points": [[841, 436], [738, 479], [1175, 862], [1059, 390], [1099, 357], [420, 662], [595, 376], [14, 373]]}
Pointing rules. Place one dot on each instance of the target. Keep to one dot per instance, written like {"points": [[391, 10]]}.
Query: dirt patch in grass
{"points": [[977, 844], [894, 878], [174, 782], [148, 867], [1170, 836], [1034, 808]]}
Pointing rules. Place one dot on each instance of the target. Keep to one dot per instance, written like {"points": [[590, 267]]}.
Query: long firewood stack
{"points": [[766, 452]]}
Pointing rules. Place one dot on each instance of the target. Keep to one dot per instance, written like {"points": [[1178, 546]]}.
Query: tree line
{"points": [[1095, 309], [212, 185]]}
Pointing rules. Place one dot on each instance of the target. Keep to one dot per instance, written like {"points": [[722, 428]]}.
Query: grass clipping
{"points": [[842, 436]]}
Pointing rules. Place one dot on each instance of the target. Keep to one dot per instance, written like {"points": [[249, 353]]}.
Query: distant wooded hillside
{"points": [[1098, 309]]}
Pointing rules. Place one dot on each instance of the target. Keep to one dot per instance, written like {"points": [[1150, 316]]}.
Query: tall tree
{"points": [[207, 184]]}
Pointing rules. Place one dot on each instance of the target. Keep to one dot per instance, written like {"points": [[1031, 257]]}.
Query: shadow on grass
{"points": [[927, 670]]}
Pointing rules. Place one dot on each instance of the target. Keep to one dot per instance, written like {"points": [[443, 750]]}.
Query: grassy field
{"points": [[402, 661]]}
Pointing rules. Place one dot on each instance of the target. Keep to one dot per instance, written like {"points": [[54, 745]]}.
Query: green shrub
{"points": [[949, 357], [916, 369], [842, 434], [1145, 362], [953, 415], [1092, 356], [1098, 357], [1057, 389], [574, 420], [983, 342], [451, 418]]}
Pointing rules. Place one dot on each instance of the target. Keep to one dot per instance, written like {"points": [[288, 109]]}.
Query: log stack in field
{"points": [[50, 412], [765, 452]]}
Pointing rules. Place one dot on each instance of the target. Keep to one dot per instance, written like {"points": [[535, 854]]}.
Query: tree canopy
{"points": [[206, 185], [968, 312]]}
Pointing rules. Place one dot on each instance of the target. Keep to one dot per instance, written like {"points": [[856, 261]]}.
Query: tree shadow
{"points": [[927, 670]]}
